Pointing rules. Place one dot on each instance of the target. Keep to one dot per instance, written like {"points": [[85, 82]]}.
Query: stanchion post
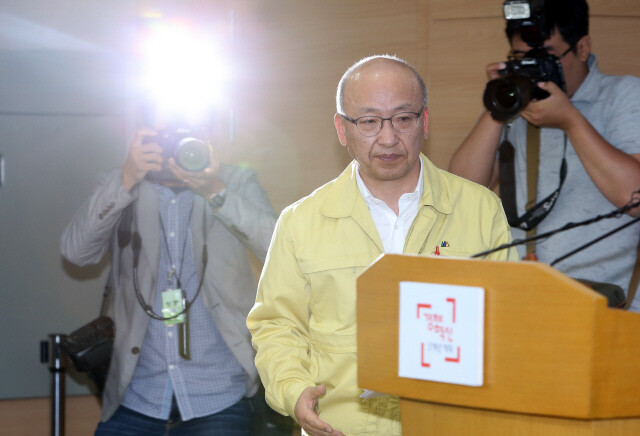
{"points": [[51, 353]]}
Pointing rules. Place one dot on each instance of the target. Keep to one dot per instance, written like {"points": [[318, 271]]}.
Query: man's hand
{"points": [[206, 182], [141, 159], [307, 416], [554, 111]]}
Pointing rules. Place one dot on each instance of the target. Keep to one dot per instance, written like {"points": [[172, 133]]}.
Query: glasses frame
{"points": [[382, 120], [519, 56]]}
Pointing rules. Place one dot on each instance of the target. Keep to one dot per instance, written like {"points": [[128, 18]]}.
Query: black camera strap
{"points": [[172, 272], [108, 286], [137, 247], [538, 211]]}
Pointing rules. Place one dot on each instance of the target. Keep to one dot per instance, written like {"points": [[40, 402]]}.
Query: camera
{"points": [[190, 153], [507, 95], [90, 348]]}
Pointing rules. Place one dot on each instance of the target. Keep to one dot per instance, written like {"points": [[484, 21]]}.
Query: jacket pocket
{"points": [[332, 300]]}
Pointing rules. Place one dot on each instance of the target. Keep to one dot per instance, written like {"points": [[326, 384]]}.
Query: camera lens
{"points": [[192, 154], [506, 96]]}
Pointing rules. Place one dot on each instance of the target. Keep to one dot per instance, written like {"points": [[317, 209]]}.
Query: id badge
{"points": [[172, 303]]}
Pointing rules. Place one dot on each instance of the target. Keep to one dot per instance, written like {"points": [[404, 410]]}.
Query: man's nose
{"points": [[388, 134]]}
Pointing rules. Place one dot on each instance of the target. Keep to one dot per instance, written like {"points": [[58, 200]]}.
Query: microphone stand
{"points": [[606, 235], [613, 214]]}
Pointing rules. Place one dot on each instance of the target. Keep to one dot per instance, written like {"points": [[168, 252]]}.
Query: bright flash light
{"points": [[516, 10], [184, 71]]}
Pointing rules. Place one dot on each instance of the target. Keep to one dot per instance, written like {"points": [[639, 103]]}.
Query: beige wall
{"points": [[293, 54]]}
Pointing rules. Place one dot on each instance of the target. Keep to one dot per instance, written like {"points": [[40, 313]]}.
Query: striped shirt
{"points": [[213, 379]]}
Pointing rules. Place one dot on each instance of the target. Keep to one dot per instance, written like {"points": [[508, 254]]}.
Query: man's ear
{"points": [[340, 128], [583, 48], [426, 122]]}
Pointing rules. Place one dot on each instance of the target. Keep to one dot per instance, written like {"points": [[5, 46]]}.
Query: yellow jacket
{"points": [[304, 323]]}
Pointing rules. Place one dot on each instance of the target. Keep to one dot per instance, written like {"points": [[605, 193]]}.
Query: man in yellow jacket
{"points": [[390, 199]]}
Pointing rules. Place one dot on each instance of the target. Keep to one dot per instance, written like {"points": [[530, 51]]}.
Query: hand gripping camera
{"points": [[507, 95], [190, 153]]}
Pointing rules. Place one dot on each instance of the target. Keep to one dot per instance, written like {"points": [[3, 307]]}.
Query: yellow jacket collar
{"points": [[345, 196]]}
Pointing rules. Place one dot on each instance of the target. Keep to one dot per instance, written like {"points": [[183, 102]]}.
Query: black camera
{"points": [[90, 348], [507, 95], [189, 152]]}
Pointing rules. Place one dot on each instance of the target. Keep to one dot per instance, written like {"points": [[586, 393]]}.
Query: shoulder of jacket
{"points": [[460, 187], [311, 203], [232, 172]]}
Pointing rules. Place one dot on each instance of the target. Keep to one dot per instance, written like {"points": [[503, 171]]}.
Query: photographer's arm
{"points": [[246, 210], [86, 238], [615, 173], [476, 159]]}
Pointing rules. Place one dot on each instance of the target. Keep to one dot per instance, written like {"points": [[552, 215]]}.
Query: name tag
{"points": [[173, 303]]}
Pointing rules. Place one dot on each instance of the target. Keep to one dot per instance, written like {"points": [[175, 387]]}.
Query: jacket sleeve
{"points": [[86, 238], [279, 324], [247, 211]]}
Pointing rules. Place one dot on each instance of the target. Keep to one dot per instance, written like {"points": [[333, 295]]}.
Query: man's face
{"points": [[383, 88], [573, 63]]}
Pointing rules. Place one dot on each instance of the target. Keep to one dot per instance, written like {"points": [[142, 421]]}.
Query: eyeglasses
{"points": [[371, 125], [518, 55]]}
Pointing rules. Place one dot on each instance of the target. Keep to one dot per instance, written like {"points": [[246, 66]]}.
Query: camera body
{"points": [[90, 348], [507, 95], [190, 153]]}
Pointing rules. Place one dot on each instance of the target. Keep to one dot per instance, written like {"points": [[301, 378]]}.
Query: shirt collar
{"points": [[168, 193], [343, 195], [588, 90], [371, 201]]}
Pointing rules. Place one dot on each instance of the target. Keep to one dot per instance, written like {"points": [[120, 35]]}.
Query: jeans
{"points": [[232, 421]]}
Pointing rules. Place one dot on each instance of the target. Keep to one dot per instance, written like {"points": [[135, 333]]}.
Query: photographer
{"points": [[183, 285], [589, 147]]}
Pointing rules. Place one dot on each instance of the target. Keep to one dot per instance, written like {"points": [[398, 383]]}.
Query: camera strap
{"points": [[535, 211], [108, 286], [137, 247]]}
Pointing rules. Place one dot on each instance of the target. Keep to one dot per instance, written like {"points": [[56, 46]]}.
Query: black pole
{"points": [[57, 366]]}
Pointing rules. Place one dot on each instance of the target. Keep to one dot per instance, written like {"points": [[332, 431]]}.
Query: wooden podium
{"points": [[557, 360]]}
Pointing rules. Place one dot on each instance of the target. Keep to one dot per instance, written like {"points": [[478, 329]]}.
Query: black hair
{"points": [[570, 16]]}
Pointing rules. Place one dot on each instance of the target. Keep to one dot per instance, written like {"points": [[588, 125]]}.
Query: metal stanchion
{"points": [[52, 354]]}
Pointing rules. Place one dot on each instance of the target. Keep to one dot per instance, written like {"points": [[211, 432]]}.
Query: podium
{"points": [[557, 360]]}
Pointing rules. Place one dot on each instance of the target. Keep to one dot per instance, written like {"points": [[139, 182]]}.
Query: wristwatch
{"points": [[217, 199]]}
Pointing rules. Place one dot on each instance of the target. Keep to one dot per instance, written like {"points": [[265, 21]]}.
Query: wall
{"points": [[63, 116], [293, 55]]}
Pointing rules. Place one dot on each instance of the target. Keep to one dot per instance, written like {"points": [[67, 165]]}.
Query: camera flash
{"points": [[516, 10]]}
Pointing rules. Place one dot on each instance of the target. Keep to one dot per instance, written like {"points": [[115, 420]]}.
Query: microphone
{"points": [[634, 202]]}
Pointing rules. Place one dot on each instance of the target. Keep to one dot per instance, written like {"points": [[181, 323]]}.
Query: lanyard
{"points": [[137, 247], [172, 269]]}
